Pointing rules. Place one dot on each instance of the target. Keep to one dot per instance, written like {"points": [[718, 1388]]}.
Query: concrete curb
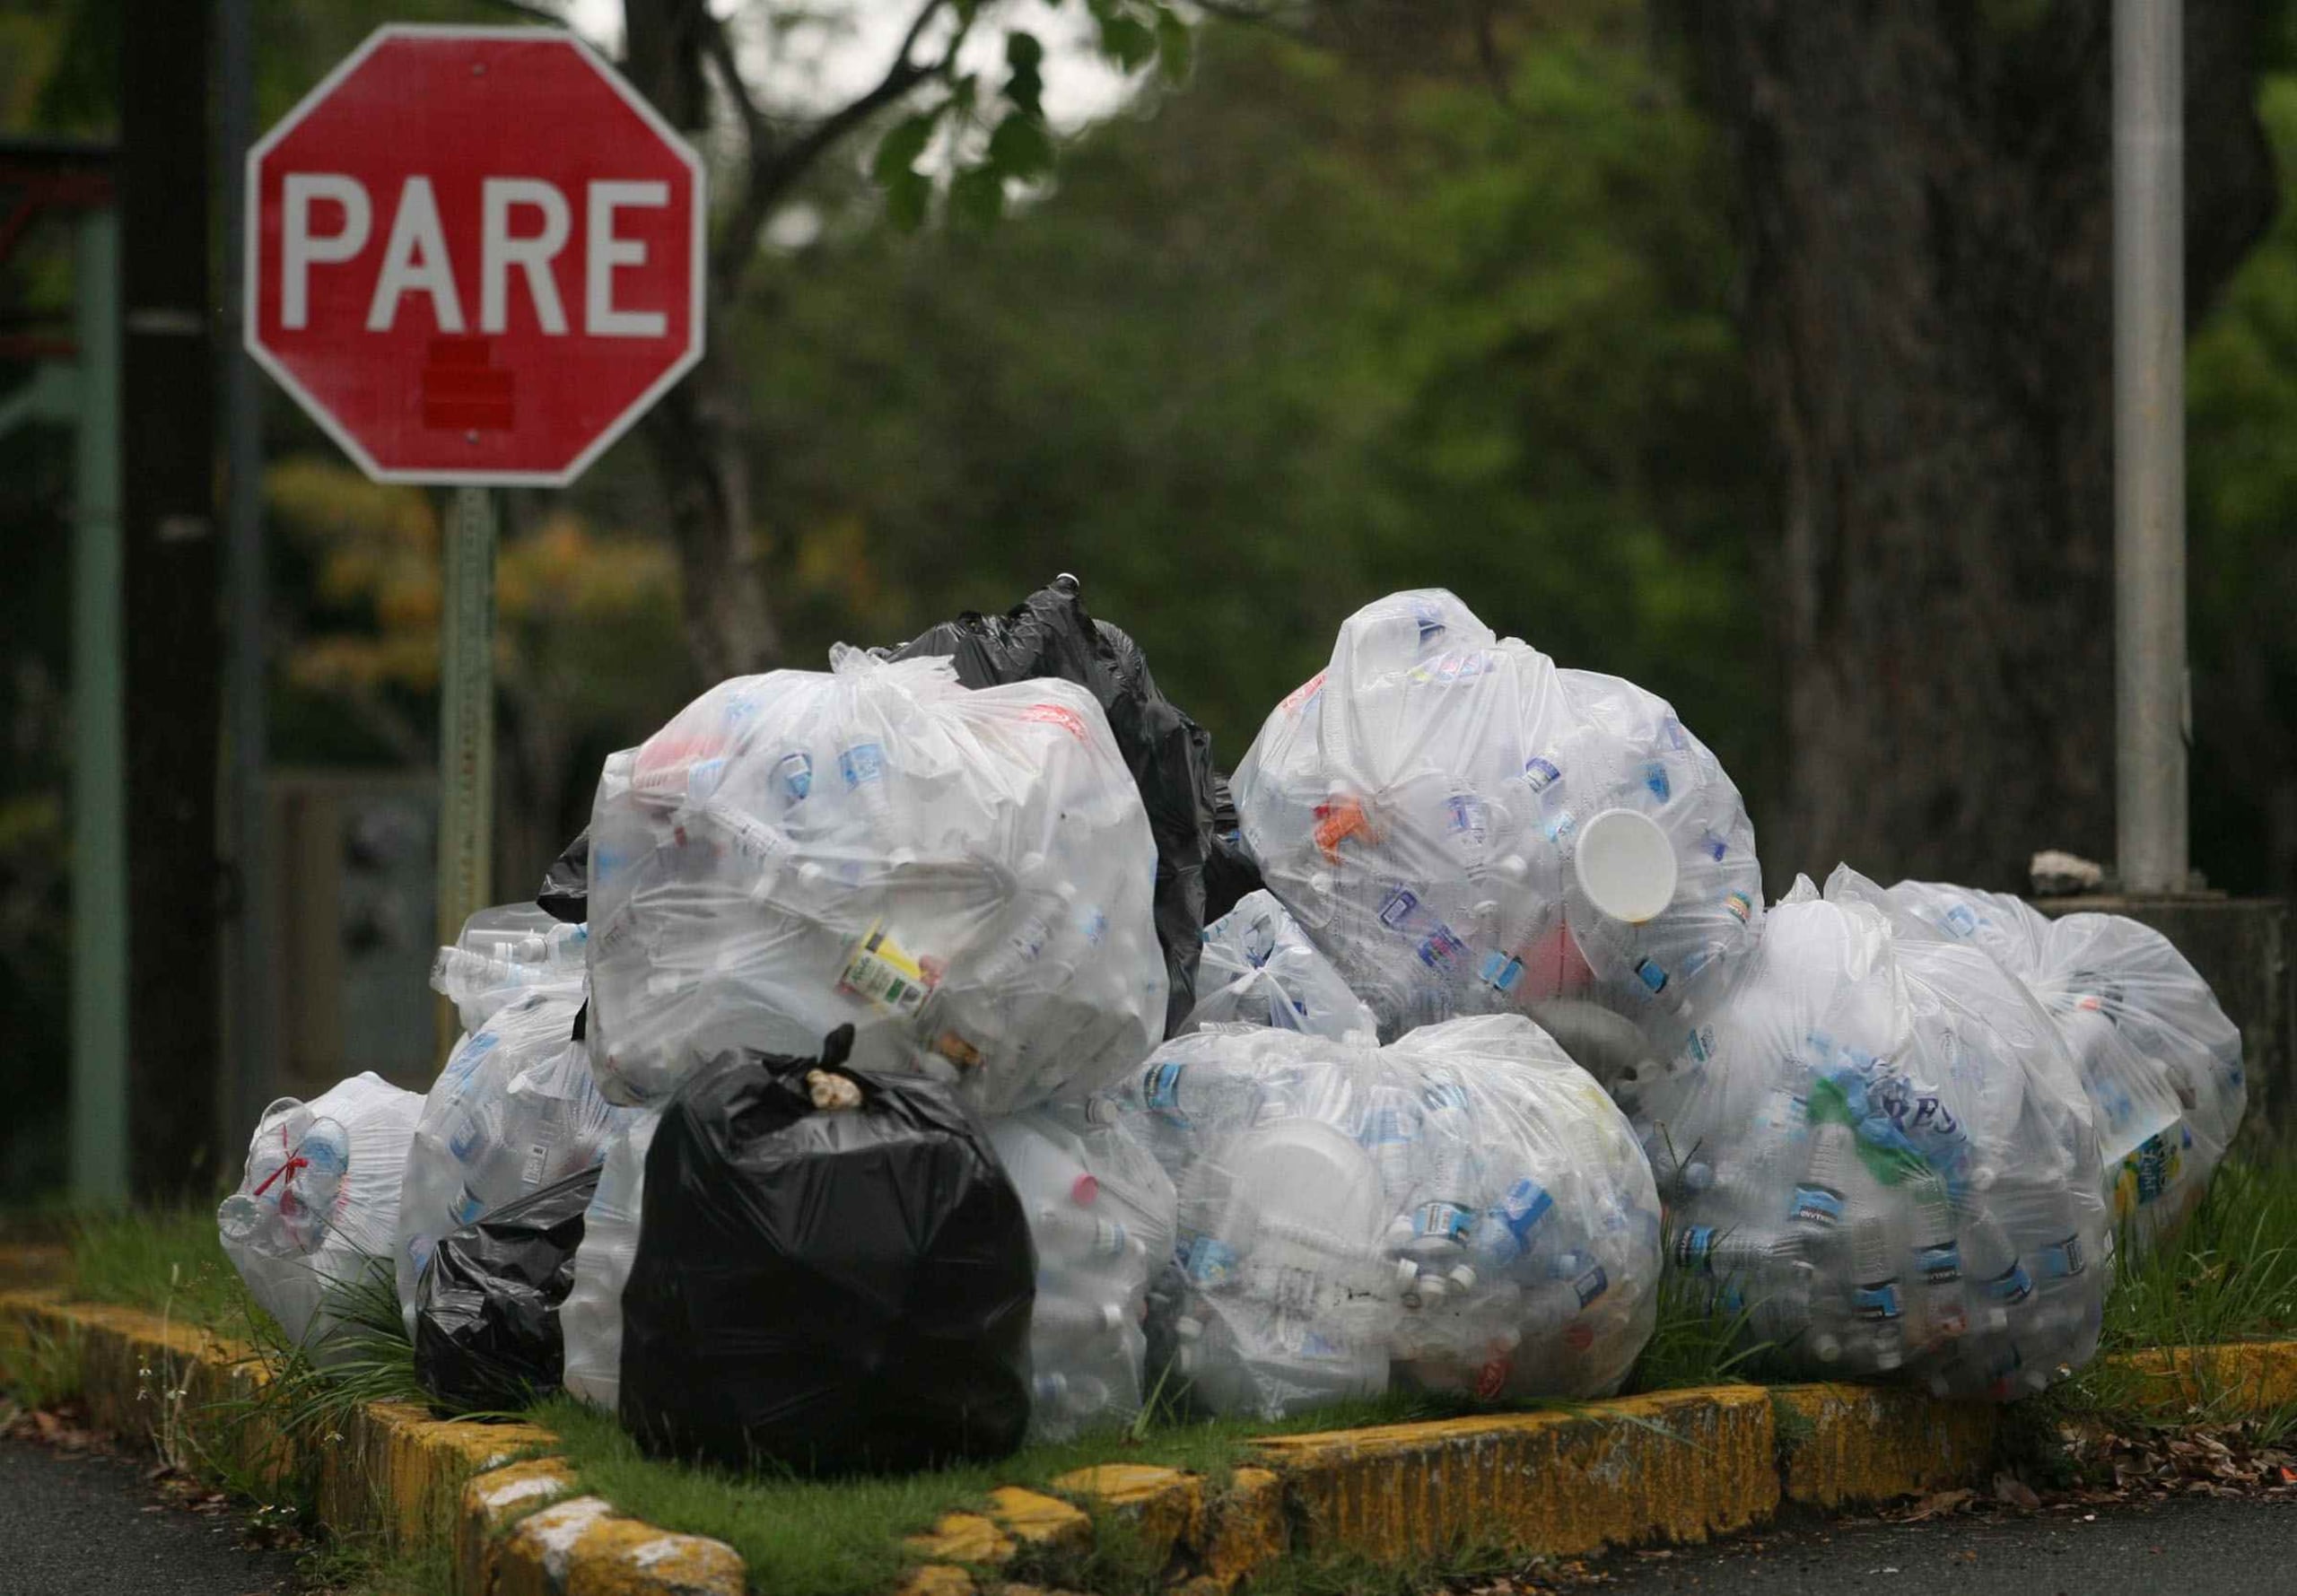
{"points": [[505, 1509], [1671, 1466]]}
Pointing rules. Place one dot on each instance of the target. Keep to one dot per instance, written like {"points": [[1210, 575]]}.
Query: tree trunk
{"points": [[1927, 199], [696, 433]]}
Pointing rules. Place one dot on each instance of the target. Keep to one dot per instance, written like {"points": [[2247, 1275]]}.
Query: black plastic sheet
{"points": [[825, 1289], [1051, 634], [487, 1334], [565, 893]]}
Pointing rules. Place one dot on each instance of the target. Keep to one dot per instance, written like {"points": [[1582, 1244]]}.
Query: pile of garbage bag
{"points": [[516, 1108], [832, 1272], [1259, 968], [1466, 828], [936, 1051], [317, 1209], [486, 1328], [1879, 1160], [1100, 1215], [963, 876], [1463, 1208], [1051, 634], [2160, 1061]]}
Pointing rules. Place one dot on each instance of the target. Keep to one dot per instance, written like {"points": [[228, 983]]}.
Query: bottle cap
{"points": [[1083, 1191], [1625, 864]]}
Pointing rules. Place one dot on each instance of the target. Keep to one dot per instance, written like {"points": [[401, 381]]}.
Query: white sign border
{"points": [[252, 256]]}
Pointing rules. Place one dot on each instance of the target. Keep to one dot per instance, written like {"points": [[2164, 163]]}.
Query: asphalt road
{"points": [[88, 1524], [2185, 1547]]}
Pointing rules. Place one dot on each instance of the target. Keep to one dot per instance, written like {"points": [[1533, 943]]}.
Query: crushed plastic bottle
{"points": [[1903, 1168], [2161, 1063], [1466, 829], [317, 1207], [1464, 1210], [1100, 1212], [964, 877]]}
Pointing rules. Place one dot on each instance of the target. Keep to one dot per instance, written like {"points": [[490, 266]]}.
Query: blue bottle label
{"points": [[1446, 1220], [2063, 1259], [1816, 1205], [1541, 773], [1590, 1285], [1875, 1301], [2013, 1285], [1940, 1264], [861, 764], [1209, 1261], [796, 773]]}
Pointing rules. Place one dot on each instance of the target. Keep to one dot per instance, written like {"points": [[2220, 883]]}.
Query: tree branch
{"points": [[775, 167]]}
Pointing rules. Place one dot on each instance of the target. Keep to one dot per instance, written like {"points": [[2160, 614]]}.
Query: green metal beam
{"points": [[99, 764]]}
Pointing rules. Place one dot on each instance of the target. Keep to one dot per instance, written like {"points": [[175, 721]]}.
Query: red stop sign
{"points": [[475, 255]]}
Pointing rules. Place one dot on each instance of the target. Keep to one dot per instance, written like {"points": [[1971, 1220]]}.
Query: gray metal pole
{"points": [[2151, 712], [98, 736], [467, 711], [252, 1076]]}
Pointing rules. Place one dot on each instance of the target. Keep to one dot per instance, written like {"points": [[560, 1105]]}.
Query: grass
{"points": [[2231, 1275]]}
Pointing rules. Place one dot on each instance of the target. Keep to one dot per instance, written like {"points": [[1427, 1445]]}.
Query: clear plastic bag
{"points": [[1466, 828], [963, 876], [1879, 1160], [1465, 1205], [1100, 1213], [318, 1207], [590, 1318], [2159, 1060], [516, 1108], [1259, 968]]}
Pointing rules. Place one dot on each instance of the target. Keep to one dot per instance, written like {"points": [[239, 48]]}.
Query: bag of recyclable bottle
{"points": [[317, 1208], [516, 1108], [2160, 1061], [1100, 1213], [1466, 828], [1464, 1208], [1259, 969], [832, 1273], [963, 876], [1880, 1161], [486, 1331], [1050, 633], [590, 1319]]}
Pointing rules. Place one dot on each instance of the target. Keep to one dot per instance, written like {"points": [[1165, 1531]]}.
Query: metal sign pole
{"points": [[466, 710], [2152, 709]]}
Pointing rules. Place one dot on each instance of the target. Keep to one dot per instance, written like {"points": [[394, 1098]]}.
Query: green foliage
{"points": [[1317, 329], [2241, 453]]}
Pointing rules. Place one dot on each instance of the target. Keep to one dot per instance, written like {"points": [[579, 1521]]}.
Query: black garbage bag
{"points": [[1229, 873], [486, 1335], [1050, 633], [565, 892], [826, 1288]]}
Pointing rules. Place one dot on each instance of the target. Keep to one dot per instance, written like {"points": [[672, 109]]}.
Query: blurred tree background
{"points": [[1332, 315]]}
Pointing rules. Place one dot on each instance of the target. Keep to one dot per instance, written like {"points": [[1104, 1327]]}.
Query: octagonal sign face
{"points": [[475, 255]]}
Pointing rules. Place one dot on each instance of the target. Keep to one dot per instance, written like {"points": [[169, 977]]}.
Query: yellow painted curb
{"points": [[1674, 1465], [2252, 1377], [392, 1468], [1846, 1443]]}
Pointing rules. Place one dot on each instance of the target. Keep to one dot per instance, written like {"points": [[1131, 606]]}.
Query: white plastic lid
{"points": [[1626, 865]]}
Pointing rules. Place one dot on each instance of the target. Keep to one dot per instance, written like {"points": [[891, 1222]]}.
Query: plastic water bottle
{"points": [[1938, 1260], [1874, 1290], [1820, 1196]]}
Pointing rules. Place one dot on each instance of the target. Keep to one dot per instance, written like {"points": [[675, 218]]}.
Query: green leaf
{"points": [[907, 195], [1020, 148], [978, 196], [1173, 43], [1127, 41], [898, 151]]}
